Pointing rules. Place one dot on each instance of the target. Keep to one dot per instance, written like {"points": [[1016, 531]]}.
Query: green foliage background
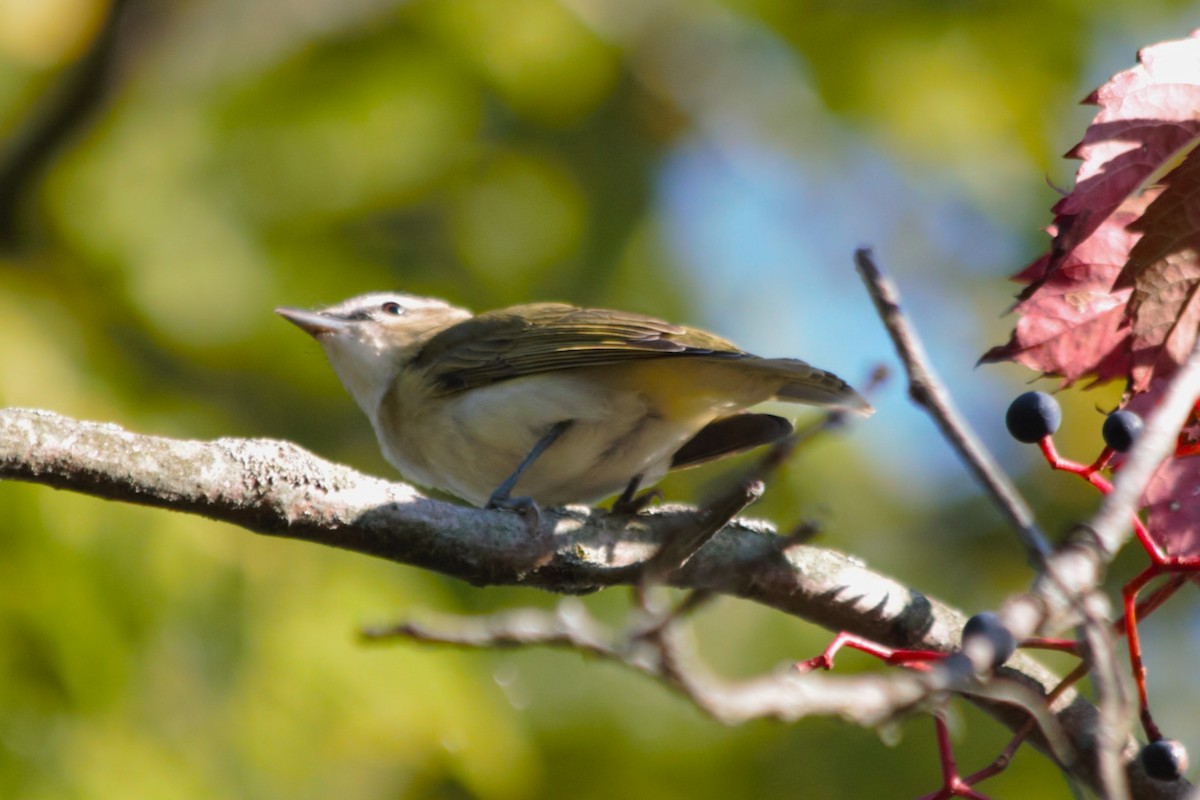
{"points": [[488, 151]]}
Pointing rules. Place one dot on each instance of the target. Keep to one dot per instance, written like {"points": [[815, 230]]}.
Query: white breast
{"points": [[468, 443]]}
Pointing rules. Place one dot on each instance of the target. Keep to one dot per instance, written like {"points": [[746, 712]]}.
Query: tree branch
{"points": [[868, 700], [927, 391], [279, 489]]}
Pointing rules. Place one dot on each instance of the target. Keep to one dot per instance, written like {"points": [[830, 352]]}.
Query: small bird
{"points": [[549, 403]]}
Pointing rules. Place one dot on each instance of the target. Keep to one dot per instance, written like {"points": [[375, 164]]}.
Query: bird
{"points": [[548, 404]]}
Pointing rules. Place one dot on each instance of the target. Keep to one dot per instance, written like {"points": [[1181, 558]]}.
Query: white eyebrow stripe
{"points": [[374, 299]]}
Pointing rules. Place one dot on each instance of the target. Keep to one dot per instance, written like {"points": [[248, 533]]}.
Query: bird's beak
{"points": [[312, 322]]}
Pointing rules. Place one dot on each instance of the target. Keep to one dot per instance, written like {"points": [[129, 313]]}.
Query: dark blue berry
{"points": [[1121, 430], [1165, 760], [988, 626], [1033, 416]]}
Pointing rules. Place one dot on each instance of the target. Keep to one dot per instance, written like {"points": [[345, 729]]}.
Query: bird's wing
{"points": [[525, 340], [726, 436]]}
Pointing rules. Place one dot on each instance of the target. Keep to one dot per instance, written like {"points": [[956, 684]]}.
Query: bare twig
{"points": [[927, 391], [1112, 699], [868, 700], [744, 492], [664, 655], [656, 624], [682, 543]]}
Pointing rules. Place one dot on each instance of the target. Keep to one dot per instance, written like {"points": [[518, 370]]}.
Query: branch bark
{"points": [[279, 489]]}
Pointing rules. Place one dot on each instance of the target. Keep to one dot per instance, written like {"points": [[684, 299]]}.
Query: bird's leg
{"points": [[629, 502], [526, 506], [621, 504]]}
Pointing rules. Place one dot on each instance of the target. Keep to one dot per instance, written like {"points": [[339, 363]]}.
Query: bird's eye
{"points": [[393, 308]]}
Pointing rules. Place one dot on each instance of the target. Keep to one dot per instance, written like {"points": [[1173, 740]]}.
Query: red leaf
{"points": [[1073, 322], [1148, 114], [1139, 159], [1171, 499], [1173, 506], [1164, 270]]}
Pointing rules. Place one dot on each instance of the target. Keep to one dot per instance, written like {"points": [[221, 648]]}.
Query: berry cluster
{"points": [[1033, 418], [1035, 415]]}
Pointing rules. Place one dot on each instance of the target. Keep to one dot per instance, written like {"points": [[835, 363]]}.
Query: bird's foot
{"points": [[636, 503], [525, 507], [538, 550], [630, 502]]}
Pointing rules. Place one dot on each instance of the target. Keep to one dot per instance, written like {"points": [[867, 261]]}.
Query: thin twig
{"points": [[717, 513], [868, 700], [1111, 698], [673, 615], [926, 390], [682, 543]]}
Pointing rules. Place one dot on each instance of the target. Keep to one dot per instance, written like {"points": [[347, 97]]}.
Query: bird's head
{"points": [[368, 339]]}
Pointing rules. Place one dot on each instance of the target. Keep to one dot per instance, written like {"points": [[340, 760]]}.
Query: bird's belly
{"points": [[469, 443], [597, 458]]}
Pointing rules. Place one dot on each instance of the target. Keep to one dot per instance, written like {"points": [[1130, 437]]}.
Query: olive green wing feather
{"points": [[540, 337]]}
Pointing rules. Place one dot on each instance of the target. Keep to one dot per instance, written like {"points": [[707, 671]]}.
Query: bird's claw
{"points": [[633, 505], [526, 507]]}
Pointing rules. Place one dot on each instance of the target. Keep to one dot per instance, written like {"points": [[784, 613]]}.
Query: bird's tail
{"points": [[806, 384]]}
